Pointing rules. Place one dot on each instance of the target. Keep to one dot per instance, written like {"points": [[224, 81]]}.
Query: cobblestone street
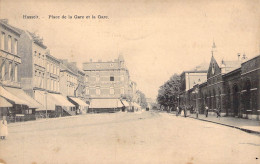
{"points": [[147, 137]]}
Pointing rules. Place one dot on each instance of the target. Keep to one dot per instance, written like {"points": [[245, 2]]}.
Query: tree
{"points": [[168, 92], [142, 99]]}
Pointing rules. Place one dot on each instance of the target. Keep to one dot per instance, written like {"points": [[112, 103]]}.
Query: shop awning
{"points": [[105, 103], [126, 104], [20, 93], [4, 93], [79, 101], [61, 100], [136, 105], [4, 103]]}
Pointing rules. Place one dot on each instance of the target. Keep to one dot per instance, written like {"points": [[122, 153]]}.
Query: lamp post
{"points": [[197, 104]]}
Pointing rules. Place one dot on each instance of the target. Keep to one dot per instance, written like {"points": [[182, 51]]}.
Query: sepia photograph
{"points": [[129, 82]]}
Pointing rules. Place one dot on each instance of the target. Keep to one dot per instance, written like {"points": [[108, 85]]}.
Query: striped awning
{"points": [[105, 103], [4, 93], [20, 93]]}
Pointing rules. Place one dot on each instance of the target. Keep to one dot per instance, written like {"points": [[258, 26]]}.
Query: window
{"points": [[54, 85], [10, 71], [51, 68], [87, 91], [3, 72], [15, 73], [15, 46], [112, 78], [111, 64], [40, 60], [54, 69], [112, 91], [122, 91], [97, 78], [58, 71], [97, 91], [35, 57], [98, 65], [122, 78], [9, 43], [58, 86], [2, 40], [48, 69]]}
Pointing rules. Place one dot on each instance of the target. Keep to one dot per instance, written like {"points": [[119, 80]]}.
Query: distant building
{"points": [[107, 80]]}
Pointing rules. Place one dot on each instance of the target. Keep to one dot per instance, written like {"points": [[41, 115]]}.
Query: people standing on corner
{"points": [[206, 111], [3, 128]]}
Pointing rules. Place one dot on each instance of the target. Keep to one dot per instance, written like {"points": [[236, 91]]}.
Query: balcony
{"points": [[11, 83], [10, 56]]}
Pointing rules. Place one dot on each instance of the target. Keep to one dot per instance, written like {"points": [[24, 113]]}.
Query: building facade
{"points": [[108, 80], [231, 86], [15, 103]]}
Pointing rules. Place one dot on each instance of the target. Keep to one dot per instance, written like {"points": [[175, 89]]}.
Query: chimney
{"points": [[90, 60], [238, 56]]}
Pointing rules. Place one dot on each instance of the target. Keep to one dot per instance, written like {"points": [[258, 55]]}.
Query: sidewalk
{"points": [[251, 126]]}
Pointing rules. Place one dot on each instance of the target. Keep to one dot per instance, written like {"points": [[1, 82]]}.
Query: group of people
{"points": [[190, 107]]}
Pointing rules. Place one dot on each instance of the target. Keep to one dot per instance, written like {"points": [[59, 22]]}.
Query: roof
{"points": [[37, 40], [105, 103], [230, 65], [4, 22], [203, 67]]}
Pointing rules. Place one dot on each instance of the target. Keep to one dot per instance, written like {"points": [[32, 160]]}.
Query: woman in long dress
{"points": [[3, 128]]}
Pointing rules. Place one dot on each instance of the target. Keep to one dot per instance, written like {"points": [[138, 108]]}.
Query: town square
{"points": [[129, 82]]}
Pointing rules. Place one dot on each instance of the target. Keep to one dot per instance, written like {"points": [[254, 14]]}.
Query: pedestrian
{"points": [[206, 111], [177, 111], [3, 128], [197, 112], [218, 111], [185, 111]]}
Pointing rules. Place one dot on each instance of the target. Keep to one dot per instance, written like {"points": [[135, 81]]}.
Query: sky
{"points": [[156, 38]]}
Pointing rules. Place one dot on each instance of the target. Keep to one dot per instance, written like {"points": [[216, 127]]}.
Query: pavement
{"points": [[247, 125]]}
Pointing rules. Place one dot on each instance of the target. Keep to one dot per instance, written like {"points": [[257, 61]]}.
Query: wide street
{"points": [[147, 137]]}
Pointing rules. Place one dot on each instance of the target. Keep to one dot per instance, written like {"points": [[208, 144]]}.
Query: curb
{"points": [[243, 129]]}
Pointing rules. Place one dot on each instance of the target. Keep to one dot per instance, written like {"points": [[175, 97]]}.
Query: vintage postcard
{"points": [[123, 82]]}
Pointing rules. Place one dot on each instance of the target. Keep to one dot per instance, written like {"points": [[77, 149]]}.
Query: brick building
{"points": [[231, 86], [108, 80]]}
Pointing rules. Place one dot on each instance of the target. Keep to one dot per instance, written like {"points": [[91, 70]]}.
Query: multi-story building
{"points": [[52, 74], [16, 102], [73, 85], [231, 87], [41, 80], [107, 80]]}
